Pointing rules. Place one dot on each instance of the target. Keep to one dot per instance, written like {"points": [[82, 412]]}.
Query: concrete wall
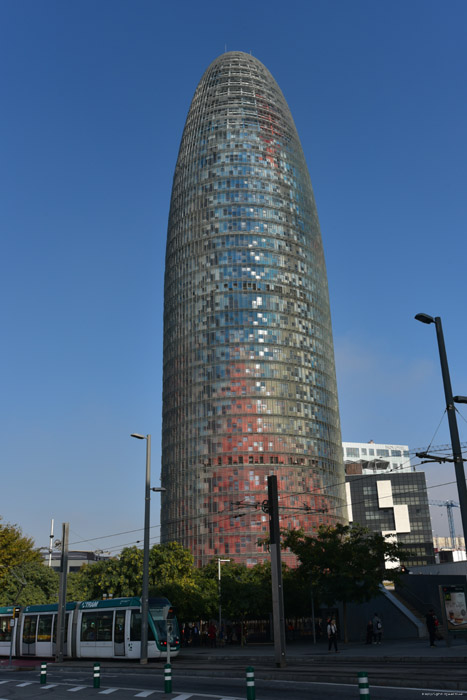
{"points": [[458, 568], [422, 590], [398, 621]]}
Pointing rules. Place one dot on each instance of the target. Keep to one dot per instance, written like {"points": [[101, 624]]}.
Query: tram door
{"points": [[119, 633], [28, 641]]}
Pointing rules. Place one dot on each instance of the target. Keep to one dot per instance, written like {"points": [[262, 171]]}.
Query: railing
{"points": [[410, 597]]}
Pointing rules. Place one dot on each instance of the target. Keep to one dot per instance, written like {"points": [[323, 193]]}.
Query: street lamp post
{"points": [[452, 419], [219, 562], [147, 517]]}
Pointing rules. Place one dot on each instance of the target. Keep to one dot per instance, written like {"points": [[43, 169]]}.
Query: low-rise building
{"points": [[385, 494], [76, 559]]}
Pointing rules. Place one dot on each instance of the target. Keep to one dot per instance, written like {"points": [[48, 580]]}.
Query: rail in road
{"points": [[422, 673], [419, 673]]}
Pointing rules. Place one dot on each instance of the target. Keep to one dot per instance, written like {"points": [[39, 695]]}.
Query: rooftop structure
{"points": [[374, 458]]}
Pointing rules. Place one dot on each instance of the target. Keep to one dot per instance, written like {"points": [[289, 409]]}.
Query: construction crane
{"points": [[449, 505]]}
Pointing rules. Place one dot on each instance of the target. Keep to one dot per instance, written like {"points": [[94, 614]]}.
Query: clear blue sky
{"points": [[93, 102]]}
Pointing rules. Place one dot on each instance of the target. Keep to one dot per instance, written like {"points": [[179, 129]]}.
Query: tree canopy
{"points": [[24, 579], [345, 563], [15, 549]]}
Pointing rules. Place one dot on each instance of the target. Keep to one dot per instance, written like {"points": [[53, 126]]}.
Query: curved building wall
{"points": [[249, 379]]}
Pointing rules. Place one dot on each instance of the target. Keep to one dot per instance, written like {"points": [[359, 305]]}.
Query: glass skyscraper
{"points": [[249, 378]]}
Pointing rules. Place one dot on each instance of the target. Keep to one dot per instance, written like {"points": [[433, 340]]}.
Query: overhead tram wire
{"points": [[319, 491], [229, 514], [358, 478]]}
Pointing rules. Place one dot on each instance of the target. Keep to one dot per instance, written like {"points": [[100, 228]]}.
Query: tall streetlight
{"points": [[452, 419], [219, 562], [147, 514]]}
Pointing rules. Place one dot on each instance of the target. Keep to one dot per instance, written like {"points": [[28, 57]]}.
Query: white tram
{"points": [[97, 629]]}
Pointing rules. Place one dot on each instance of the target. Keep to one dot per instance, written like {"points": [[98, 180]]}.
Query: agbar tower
{"points": [[249, 378]]}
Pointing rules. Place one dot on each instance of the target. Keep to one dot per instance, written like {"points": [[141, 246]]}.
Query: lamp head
{"points": [[424, 318], [139, 437]]}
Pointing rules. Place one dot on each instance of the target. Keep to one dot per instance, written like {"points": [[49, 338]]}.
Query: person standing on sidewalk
{"points": [[332, 635], [377, 629]]}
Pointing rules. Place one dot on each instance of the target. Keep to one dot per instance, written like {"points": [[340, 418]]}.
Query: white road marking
{"points": [[76, 688], [145, 693], [184, 696], [50, 685], [2, 682], [23, 685], [108, 691]]}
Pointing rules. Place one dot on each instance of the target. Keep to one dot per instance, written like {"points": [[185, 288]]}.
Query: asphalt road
{"points": [[122, 685]]}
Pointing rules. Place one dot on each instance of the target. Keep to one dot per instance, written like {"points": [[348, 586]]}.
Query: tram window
{"points": [[135, 628], [97, 627], [44, 628], [5, 629], [29, 629], [119, 630]]}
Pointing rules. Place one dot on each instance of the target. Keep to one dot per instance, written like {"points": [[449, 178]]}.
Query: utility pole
{"points": [[62, 595], [452, 419], [219, 592], [51, 542], [276, 573]]}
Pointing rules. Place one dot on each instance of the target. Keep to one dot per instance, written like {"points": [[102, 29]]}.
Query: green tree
{"points": [[170, 570], [15, 549], [170, 562], [75, 589], [344, 563], [195, 600], [120, 576], [31, 583], [22, 572], [246, 591]]}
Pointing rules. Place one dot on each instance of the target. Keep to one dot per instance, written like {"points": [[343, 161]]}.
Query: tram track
{"points": [[411, 673]]}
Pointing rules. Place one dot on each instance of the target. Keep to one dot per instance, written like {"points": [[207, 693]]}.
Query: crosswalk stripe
{"points": [[76, 688], [145, 693], [2, 682], [108, 691], [46, 687], [184, 696], [23, 685]]}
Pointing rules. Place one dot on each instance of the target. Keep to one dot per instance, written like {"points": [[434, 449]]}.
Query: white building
{"points": [[377, 458]]}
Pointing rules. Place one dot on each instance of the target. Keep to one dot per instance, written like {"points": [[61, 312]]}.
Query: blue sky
{"points": [[94, 99]]}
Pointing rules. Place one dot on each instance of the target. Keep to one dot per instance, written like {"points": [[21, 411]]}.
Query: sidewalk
{"points": [[404, 650], [394, 649]]}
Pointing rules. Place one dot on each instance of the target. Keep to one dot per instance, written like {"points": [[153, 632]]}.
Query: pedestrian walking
{"points": [[332, 635], [432, 625], [212, 632], [377, 629]]}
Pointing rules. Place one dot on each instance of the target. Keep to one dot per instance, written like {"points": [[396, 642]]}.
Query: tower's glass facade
{"points": [[249, 377]]}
